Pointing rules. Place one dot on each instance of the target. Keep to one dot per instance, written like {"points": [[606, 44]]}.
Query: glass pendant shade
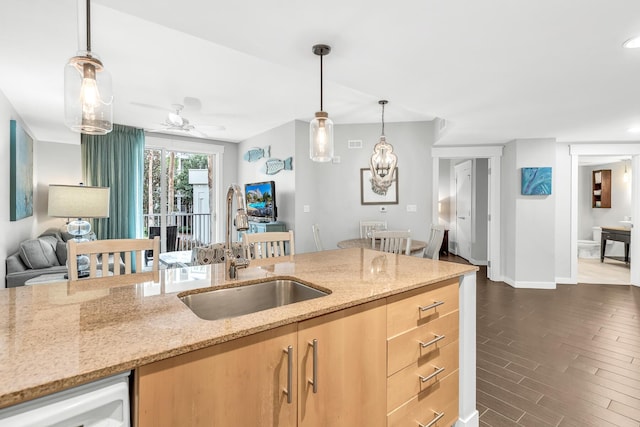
{"points": [[321, 137], [383, 162], [88, 95]]}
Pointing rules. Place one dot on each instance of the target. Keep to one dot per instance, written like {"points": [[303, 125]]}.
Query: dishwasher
{"points": [[102, 403]]}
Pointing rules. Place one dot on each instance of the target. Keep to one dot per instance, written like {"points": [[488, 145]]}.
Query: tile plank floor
{"points": [[563, 357]]}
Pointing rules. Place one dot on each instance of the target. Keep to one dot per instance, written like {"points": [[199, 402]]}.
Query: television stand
{"points": [[266, 227]]}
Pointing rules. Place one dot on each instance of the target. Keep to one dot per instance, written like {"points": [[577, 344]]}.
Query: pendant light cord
{"points": [[382, 119], [89, 26], [321, 78]]}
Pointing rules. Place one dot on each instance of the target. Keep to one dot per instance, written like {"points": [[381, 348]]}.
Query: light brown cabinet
{"points": [[245, 381], [601, 188], [361, 366]]}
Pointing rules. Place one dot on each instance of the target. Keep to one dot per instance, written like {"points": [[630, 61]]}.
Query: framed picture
{"points": [[536, 181], [21, 173], [368, 197]]}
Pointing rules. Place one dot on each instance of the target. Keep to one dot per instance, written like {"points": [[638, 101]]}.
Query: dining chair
{"points": [[432, 250], [268, 245], [172, 240], [115, 256], [316, 237], [366, 227], [392, 241]]}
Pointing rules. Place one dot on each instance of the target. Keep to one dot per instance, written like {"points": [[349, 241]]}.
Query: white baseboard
{"points": [[566, 281], [471, 421], [477, 261], [529, 285]]}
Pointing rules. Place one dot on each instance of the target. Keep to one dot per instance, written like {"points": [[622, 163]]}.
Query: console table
{"points": [[618, 234]]}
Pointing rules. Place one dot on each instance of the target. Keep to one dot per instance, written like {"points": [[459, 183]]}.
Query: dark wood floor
{"points": [[563, 357]]}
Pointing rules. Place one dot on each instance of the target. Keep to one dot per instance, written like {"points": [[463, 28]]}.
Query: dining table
{"points": [[416, 245]]}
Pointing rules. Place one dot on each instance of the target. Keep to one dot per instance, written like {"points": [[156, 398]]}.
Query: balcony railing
{"points": [[193, 229]]}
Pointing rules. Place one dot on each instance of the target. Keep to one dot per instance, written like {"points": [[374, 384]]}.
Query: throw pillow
{"points": [[61, 252], [39, 253]]}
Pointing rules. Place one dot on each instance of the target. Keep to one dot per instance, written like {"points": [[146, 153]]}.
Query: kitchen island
{"points": [[56, 336]]}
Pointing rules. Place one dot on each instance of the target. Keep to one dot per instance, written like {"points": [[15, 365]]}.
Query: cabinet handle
{"points": [[287, 391], [314, 380], [428, 377], [429, 307], [433, 341], [433, 421]]}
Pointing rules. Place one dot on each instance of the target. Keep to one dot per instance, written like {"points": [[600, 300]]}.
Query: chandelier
{"points": [[383, 162]]}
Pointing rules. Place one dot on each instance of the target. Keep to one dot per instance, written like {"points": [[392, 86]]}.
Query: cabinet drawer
{"points": [[416, 344], [404, 312], [406, 383], [423, 410]]}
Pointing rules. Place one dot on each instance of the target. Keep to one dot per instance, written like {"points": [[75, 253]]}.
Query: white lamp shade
{"points": [[78, 201], [321, 138]]}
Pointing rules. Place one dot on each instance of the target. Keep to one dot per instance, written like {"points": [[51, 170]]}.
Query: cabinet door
{"points": [[350, 368], [238, 383]]}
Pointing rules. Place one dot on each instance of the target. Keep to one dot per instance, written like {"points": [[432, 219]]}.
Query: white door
{"points": [[463, 209]]}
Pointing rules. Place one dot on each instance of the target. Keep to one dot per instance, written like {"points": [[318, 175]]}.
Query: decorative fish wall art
{"points": [[256, 153], [273, 166]]}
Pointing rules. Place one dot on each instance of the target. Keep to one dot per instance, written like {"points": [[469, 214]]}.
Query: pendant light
{"points": [[383, 162], [88, 99], [321, 127]]}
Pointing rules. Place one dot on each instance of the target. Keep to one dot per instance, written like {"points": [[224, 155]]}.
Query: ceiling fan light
{"points": [[632, 43]]}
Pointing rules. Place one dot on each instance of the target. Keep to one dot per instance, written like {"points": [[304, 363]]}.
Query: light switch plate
{"points": [[306, 208], [412, 208]]}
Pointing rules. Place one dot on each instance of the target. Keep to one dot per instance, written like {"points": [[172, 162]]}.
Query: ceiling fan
{"points": [[175, 122]]}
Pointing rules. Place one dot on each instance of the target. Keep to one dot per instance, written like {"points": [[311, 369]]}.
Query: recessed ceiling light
{"points": [[635, 129], [632, 43]]}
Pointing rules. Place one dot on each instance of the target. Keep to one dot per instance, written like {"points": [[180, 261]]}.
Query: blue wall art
{"points": [[536, 181], [21, 173]]}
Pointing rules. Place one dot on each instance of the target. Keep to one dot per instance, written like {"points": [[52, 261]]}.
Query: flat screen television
{"points": [[261, 201]]}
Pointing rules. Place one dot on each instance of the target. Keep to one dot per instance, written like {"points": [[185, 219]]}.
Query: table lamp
{"points": [[80, 202]]}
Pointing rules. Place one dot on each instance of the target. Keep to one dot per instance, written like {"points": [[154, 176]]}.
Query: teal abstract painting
{"points": [[21, 173], [536, 181]]}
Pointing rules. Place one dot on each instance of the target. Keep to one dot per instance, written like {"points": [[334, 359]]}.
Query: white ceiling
{"points": [[496, 70]]}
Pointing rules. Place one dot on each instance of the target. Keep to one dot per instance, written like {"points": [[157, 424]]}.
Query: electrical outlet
{"points": [[306, 208], [412, 208], [335, 159]]}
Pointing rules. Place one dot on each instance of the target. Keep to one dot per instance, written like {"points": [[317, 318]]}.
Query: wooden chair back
{"points": [[367, 227], [112, 252], [395, 242], [432, 250], [268, 245]]}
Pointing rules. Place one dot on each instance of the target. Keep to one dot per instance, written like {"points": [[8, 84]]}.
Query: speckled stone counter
{"points": [[55, 336]]}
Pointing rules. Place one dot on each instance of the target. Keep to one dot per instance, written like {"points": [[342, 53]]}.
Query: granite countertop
{"points": [[59, 335]]}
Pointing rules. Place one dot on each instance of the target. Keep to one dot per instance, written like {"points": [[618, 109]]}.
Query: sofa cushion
{"points": [[61, 252], [39, 253]]}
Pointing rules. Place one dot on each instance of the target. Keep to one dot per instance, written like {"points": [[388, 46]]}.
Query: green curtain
{"points": [[116, 160]]}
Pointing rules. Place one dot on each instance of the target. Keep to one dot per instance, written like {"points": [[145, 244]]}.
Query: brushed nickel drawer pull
{"points": [[428, 377], [433, 341], [314, 380], [287, 391], [429, 307], [433, 421]]}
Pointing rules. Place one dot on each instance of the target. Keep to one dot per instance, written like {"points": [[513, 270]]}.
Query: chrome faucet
{"points": [[242, 223]]}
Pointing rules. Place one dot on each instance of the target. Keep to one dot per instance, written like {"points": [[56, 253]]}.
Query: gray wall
{"points": [[562, 188], [281, 141], [480, 211], [529, 235], [332, 190]]}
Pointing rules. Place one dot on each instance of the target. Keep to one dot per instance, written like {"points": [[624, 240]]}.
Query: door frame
{"points": [[166, 142], [621, 149], [494, 155], [464, 165]]}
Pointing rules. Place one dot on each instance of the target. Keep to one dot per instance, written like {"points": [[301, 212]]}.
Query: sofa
{"points": [[45, 254]]}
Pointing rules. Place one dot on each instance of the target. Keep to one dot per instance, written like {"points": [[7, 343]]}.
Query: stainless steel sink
{"points": [[232, 302]]}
